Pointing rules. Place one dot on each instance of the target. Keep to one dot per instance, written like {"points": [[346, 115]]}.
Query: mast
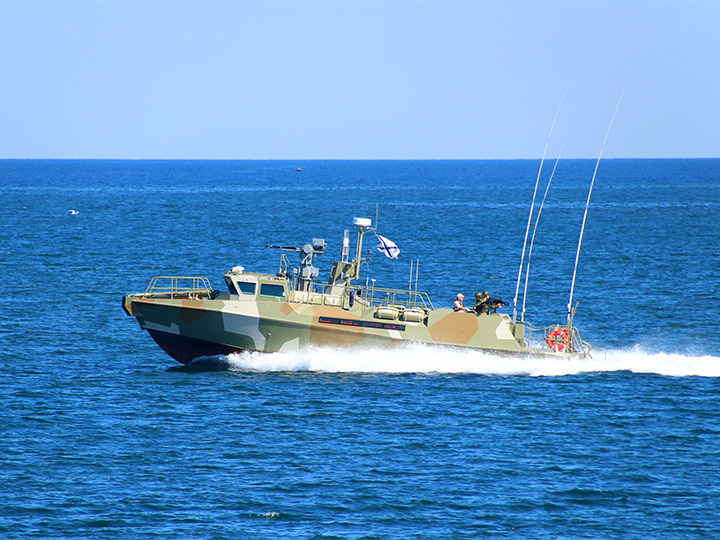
{"points": [[532, 239], [362, 225], [587, 204], [345, 247], [532, 206]]}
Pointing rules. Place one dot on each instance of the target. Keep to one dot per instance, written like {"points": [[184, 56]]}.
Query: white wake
{"points": [[417, 358]]}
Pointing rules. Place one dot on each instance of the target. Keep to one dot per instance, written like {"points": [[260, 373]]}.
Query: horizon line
{"points": [[330, 159]]}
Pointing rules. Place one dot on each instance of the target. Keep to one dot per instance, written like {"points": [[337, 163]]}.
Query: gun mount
{"points": [[307, 272]]}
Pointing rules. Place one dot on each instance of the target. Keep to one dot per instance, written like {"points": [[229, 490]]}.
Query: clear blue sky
{"points": [[386, 80]]}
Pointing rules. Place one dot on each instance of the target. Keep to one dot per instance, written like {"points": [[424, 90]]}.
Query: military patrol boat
{"points": [[290, 309]]}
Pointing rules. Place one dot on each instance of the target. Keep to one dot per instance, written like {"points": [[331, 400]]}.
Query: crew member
{"points": [[458, 303], [482, 303]]}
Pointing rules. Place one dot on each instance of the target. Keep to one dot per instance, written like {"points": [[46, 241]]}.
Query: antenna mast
{"points": [[532, 206], [587, 204], [532, 239]]}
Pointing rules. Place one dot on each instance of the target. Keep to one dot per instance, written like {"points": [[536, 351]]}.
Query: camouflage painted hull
{"points": [[190, 327]]}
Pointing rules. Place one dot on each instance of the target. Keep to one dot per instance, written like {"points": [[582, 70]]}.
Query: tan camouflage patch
{"points": [[287, 308], [456, 327], [319, 335]]}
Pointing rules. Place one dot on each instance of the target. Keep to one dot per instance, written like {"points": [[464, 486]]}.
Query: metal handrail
{"points": [[398, 297], [577, 344], [376, 296], [284, 265], [185, 285], [574, 343]]}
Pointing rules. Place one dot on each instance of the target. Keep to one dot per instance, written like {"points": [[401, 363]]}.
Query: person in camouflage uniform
{"points": [[482, 303]]}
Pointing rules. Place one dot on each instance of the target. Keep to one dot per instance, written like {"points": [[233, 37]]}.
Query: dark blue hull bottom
{"points": [[185, 349]]}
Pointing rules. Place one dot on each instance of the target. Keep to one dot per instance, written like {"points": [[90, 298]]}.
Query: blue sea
{"points": [[104, 436]]}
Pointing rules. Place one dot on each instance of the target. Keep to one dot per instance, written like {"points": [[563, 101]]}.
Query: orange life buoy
{"points": [[557, 340]]}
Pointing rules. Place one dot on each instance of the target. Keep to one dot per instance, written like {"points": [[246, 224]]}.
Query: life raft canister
{"points": [[557, 340]]}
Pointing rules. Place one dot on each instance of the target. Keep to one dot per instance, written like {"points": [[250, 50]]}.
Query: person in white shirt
{"points": [[458, 304]]}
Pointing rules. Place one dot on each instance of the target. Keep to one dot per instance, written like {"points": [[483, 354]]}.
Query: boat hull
{"points": [[186, 349], [190, 328]]}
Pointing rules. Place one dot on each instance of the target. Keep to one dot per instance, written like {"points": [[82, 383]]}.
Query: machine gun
{"points": [[491, 305], [307, 272]]}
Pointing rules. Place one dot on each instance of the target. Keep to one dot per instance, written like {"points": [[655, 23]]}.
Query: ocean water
{"points": [[104, 436]]}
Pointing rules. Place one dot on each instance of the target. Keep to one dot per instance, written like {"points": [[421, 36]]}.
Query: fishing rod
{"points": [[532, 239], [587, 204], [532, 206]]}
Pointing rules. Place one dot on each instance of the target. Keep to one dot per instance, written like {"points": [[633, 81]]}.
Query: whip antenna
{"points": [[532, 206], [587, 204], [532, 239]]}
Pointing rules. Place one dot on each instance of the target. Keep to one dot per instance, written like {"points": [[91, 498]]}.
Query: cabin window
{"points": [[231, 286], [270, 289], [246, 287]]}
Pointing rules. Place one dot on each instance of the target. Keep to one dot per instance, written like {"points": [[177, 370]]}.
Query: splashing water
{"points": [[418, 358]]}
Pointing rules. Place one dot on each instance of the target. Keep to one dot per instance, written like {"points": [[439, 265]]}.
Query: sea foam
{"points": [[418, 358]]}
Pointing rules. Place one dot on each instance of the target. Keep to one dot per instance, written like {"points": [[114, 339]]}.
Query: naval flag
{"points": [[387, 247]]}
